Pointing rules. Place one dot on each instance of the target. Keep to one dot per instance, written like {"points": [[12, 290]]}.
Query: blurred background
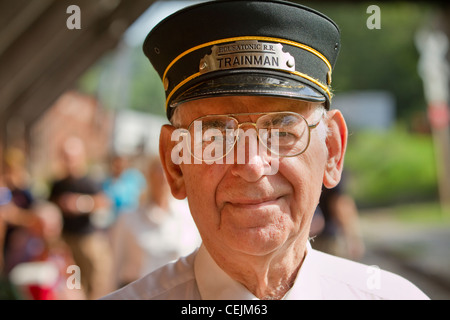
{"points": [[80, 113]]}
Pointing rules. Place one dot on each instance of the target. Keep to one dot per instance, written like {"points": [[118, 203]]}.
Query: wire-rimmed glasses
{"points": [[284, 134]]}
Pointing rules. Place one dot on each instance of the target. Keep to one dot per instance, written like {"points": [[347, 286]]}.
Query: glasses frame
{"points": [[239, 124]]}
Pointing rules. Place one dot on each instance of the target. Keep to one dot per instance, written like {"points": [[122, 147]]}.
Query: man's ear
{"points": [[336, 144], [173, 172]]}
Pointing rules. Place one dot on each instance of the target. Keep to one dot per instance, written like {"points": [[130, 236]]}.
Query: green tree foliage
{"points": [[381, 59], [389, 167]]}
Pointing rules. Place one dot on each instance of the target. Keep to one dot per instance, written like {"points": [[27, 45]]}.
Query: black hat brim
{"points": [[249, 84]]}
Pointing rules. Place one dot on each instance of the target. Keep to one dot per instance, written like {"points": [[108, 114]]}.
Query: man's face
{"points": [[237, 207]]}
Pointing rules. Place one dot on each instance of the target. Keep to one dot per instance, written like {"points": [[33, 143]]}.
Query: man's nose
{"points": [[251, 159]]}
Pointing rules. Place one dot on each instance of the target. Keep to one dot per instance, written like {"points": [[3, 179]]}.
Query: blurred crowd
{"points": [[89, 235]]}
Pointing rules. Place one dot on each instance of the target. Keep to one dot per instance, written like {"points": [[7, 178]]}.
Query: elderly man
{"points": [[251, 143]]}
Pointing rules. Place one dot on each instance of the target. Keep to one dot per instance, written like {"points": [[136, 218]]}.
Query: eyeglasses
{"points": [[285, 134]]}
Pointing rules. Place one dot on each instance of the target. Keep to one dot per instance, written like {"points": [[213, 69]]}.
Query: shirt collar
{"points": [[307, 285], [215, 284]]}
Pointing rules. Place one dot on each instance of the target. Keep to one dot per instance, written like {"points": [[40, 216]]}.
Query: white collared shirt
{"points": [[321, 276]]}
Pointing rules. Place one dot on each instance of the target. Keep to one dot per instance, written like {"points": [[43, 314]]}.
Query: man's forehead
{"points": [[242, 104]]}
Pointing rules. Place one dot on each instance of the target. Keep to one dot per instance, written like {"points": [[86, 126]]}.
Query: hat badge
{"points": [[247, 54]]}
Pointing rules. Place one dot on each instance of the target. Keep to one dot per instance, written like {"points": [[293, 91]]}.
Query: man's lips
{"points": [[253, 203]]}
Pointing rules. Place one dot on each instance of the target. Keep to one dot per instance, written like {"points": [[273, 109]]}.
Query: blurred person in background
{"points": [[335, 225], [40, 258], [16, 201], [5, 200], [13, 220], [17, 178], [79, 198], [159, 231], [31, 237], [16, 195], [124, 187]]}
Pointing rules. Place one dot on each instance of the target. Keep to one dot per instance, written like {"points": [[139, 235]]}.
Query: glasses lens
{"points": [[212, 137], [284, 133]]}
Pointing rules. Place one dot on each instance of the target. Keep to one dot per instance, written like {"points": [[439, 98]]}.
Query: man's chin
{"points": [[258, 241]]}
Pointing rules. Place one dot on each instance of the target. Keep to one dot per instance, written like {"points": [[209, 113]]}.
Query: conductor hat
{"points": [[243, 47]]}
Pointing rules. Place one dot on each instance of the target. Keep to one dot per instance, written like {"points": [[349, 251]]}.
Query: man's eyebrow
{"points": [[212, 123], [277, 119]]}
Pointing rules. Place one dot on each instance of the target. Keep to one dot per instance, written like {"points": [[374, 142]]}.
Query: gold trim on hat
{"points": [[279, 40]]}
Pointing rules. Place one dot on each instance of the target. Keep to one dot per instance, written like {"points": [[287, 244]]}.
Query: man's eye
{"points": [[213, 139], [282, 137], [281, 134], [213, 136]]}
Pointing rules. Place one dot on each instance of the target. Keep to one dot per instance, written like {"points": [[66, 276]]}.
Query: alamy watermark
{"points": [[74, 20], [374, 20], [373, 281], [74, 280]]}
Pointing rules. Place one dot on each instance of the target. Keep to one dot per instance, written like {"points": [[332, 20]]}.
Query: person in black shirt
{"points": [[79, 198]]}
